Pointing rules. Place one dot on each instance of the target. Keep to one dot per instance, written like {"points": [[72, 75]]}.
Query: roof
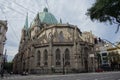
{"points": [[46, 17]]}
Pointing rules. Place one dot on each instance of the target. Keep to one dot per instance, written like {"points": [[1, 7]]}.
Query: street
{"points": [[81, 76]]}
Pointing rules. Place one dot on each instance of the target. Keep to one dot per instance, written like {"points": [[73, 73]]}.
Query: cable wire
{"points": [[22, 7], [14, 10], [9, 24]]}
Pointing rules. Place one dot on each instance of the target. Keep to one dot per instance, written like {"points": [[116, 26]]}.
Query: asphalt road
{"points": [[81, 76]]}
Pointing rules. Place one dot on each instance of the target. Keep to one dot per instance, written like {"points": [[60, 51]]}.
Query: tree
{"points": [[106, 11], [98, 59], [8, 66], [114, 58]]}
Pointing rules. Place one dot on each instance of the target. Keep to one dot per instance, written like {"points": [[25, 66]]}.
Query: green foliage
{"points": [[8, 66], [98, 58], [114, 57], [105, 11]]}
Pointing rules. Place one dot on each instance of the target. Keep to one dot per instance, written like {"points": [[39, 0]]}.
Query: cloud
{"points": [[72, 11], [11, 51]]}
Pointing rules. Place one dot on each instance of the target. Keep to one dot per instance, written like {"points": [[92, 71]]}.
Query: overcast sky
{"points": [[71, 11]]}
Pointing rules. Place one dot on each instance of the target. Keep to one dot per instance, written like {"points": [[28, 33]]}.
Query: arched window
{"points": [[57, 54], [67, 57], [45, 57], [58, 57], [38, 58], [61, 37], [86, 51], [67, 54]]}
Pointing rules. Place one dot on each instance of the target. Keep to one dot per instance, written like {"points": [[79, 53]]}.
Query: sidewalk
{"points": [[40, 77], [9, 77]]}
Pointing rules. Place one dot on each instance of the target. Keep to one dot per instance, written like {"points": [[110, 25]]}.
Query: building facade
{"points": [[49, 46], [114, 57], [107, 54], [3, 30]]}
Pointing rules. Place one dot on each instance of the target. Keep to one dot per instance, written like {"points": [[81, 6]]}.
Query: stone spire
{"points": [[60, 21], [37, 20], [26, 23], [26, 29]]}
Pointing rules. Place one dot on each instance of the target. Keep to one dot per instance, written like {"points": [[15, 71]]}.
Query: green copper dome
{"points": [[46, 17]]}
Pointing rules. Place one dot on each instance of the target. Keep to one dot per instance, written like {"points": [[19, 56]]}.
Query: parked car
{"points": [[99, 70], [105, 67]]}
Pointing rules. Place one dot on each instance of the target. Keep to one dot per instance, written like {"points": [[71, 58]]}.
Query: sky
{"points": [[70, 11]]}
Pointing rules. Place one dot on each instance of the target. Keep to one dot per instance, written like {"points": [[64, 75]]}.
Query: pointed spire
{"points": [[5, 56], [26, 23], [60, 21], [26, 26], [37, 20]]}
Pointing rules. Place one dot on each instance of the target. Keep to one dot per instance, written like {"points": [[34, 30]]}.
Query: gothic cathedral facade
{"points": [[49, 46]]}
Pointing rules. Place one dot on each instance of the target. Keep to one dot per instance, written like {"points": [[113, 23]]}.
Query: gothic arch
{"points": [[38, 57], [67, 54], [45, 57], [58, 56], [61, 36], [67, 57], [86, 50]]}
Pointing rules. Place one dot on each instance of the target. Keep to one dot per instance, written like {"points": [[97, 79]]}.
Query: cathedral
{"points": [[50, 46]]}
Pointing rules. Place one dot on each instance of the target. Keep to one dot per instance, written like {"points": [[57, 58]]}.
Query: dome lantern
{"points": [[45, 9]]}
